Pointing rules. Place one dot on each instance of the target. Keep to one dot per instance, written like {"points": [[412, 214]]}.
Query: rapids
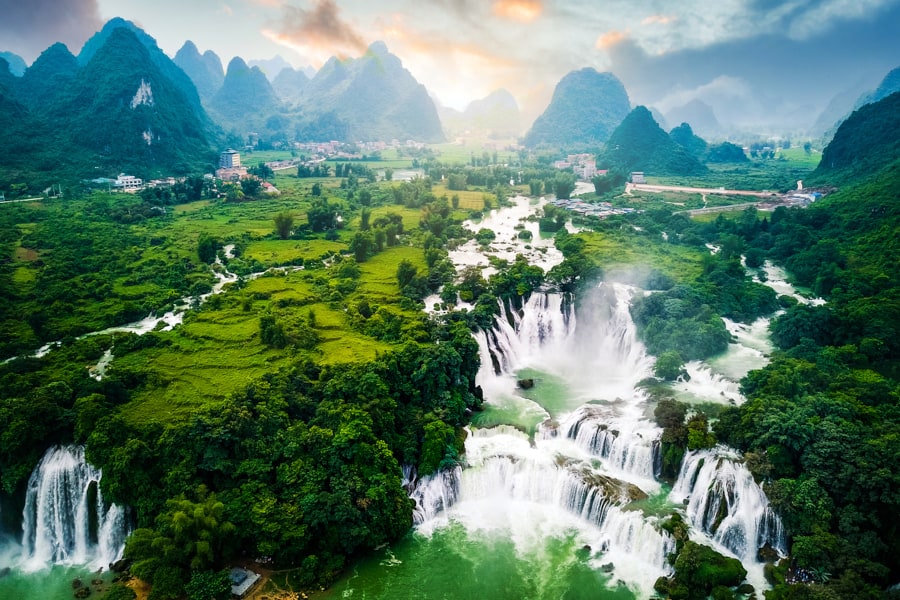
{"points": [[572, 462]]}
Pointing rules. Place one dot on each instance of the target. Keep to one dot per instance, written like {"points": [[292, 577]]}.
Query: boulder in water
{"points": [[767, 554], [526, 384]]}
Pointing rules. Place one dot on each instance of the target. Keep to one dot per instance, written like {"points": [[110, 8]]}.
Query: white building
{"points": [[128, 183], [230, 159]]}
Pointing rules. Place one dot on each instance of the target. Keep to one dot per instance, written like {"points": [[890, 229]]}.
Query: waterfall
{"points": [[433, 494], [703, 383], [724, 501], [65, 520], [524, 339], [627, 447], [594, 455]]}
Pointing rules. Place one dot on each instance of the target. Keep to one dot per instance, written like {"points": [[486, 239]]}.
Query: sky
{"points": [[772, 60]]}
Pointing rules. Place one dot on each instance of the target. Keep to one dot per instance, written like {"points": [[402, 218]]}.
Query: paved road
{"points": [[20, 200], [643, 187]]}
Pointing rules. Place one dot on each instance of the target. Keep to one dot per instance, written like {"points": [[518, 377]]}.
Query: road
{"points": [[644, 187], [20, 200]]}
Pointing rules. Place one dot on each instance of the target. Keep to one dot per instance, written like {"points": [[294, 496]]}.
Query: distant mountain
{"points": [[496, 115], [245, 98], [369, 98], [699, 114], [204, 70], [837, 109], [54, 70], [640, 144], [271, 67], [172, 71], [889, 85], [498, 112], [866, 142], [290, 84], [684, 136], [17, 65], [585, 108]]}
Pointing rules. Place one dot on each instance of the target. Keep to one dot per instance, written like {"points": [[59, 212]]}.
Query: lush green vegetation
{"points": [[298, 392], [565, 123], [640, 144]]}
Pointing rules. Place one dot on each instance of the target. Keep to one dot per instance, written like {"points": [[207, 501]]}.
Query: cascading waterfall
{"points": [[725, 502], [520, 340], [593, 454], [433, 494], [65, 520], [705, 384], [625, 447]]}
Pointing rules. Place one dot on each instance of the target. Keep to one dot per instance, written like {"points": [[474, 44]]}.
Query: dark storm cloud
{"points": [[320, 27], [28, 27]]}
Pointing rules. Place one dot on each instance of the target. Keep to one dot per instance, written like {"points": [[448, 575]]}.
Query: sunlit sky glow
{"points": [[787, 52]]}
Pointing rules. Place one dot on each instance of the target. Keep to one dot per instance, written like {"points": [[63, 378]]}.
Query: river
{"points": [[559, 496]]}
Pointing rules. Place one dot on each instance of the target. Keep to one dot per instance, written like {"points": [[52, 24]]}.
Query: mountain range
{"points": [[116, 108], [866, 142]]}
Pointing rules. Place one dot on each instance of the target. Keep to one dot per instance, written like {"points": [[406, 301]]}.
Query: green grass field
{"points": [[468, 199]]}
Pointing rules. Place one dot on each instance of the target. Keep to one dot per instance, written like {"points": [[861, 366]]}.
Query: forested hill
{"points": [[639, 144], [585, 109], [245, 98], [372, 97], [159, 58], [204, 70], [119, 112], [866, 142]]}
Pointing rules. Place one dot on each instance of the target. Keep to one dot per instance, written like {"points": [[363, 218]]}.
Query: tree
{"points": [[669, 366], [406, 271], [284, 224], [207, 246], [188, 536], [251, 186], [563, 185], [388, 174], [262, 170], [362, 245], [209, 585], [321, 215]]}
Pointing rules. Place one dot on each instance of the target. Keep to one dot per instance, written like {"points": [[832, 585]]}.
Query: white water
{"points": [[723, 501], [63, 504], [592, 456], [595, 448], [539, 250]]}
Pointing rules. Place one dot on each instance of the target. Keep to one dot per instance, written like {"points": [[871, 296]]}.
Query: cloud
{"points": [[659, 20], [29, 28], [611, 38], [456, 70], [518, 10], [318, 32], [826, 15]]}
